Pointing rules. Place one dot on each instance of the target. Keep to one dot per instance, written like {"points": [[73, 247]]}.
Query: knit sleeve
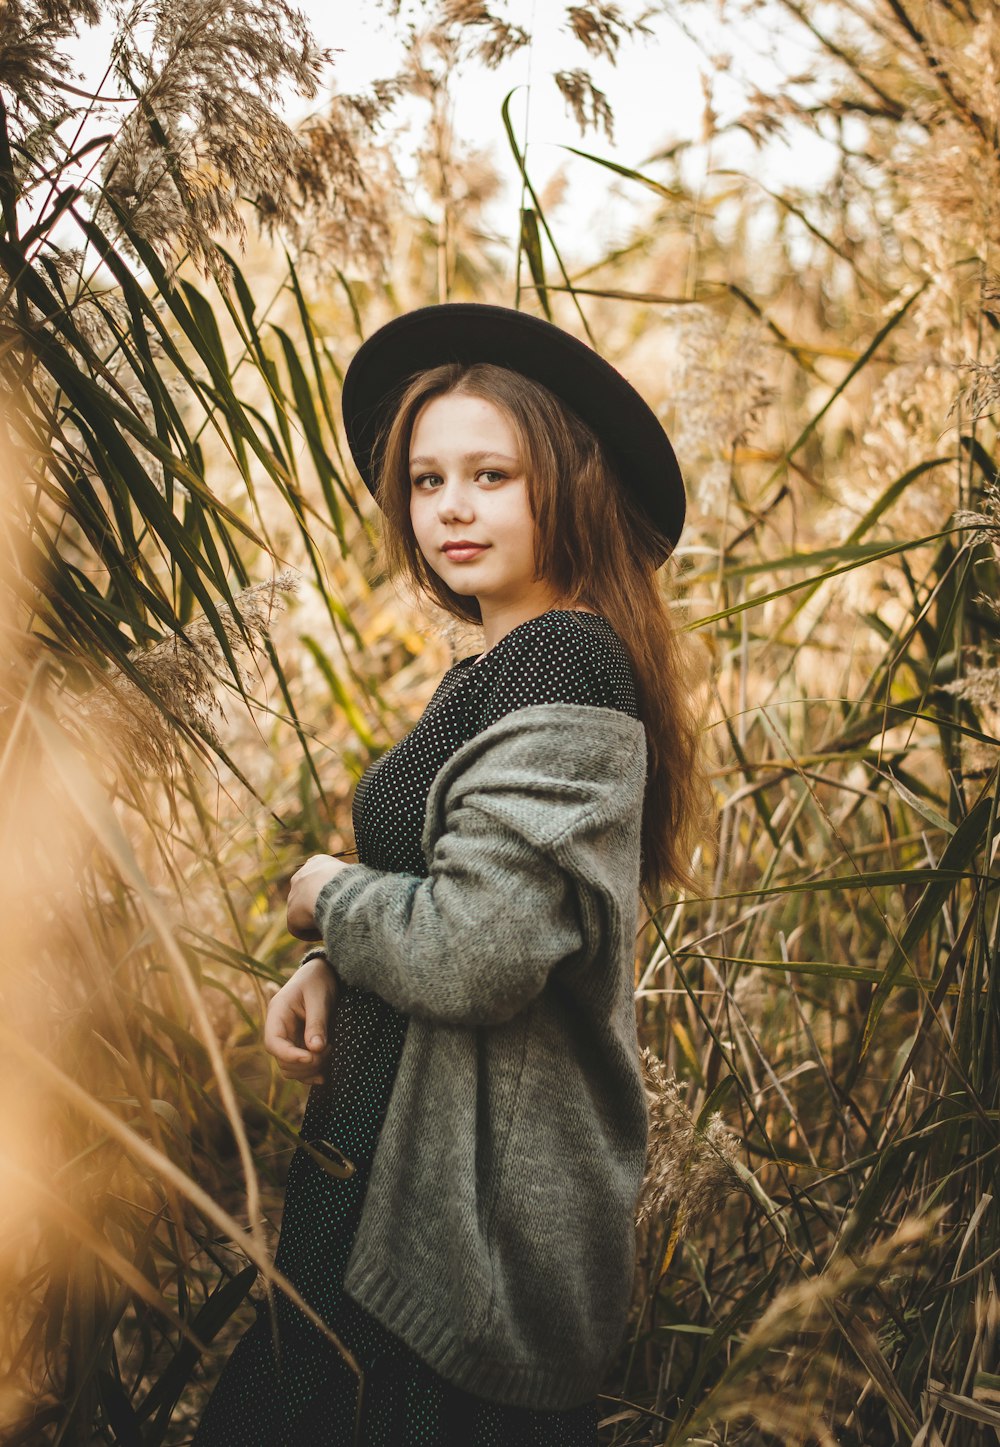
{"points": [[472, 944], [475, 941]]}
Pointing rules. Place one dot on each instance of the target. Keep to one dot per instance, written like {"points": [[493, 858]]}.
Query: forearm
{"points": [[471, 944]]}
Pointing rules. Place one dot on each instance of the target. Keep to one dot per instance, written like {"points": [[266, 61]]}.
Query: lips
{"points": [[463, 549]]}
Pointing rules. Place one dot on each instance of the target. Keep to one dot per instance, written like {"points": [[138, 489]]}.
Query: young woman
{"points": [[468, 1023]]}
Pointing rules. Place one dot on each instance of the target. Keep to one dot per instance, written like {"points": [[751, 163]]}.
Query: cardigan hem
{"points": [[515, 1384]]}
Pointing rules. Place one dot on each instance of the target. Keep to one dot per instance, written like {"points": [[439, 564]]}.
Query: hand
{"points": [[296, 1031], [303, 888]]}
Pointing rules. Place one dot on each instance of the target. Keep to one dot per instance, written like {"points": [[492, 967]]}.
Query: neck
{"points": [[500, 618]]}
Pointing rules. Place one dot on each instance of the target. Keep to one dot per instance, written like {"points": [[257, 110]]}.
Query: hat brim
{"points": [[467, 332]]}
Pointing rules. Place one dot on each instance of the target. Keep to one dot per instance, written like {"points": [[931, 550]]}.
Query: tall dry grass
{"points": [[174, 740]]}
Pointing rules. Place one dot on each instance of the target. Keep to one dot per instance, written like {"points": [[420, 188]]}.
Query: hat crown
{"points": [[468, 332]]}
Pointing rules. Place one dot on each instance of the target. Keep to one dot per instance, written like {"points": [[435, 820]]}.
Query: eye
{"points": [[425, 477], [491, 475]]}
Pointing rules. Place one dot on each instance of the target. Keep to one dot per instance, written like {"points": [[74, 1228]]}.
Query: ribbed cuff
{"points": [[337, 893]]}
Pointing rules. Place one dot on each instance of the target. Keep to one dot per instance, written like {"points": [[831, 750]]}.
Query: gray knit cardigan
{"points": [[497, 1235]]}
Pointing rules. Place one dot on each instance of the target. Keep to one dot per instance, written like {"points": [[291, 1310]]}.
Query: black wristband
{"points": [[317, 954]]}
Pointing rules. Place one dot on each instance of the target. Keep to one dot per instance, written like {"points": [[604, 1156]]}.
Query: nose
{"points": [[453, 502]]}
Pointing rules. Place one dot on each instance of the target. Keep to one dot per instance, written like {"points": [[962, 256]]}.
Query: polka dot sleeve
{"points": [[560, 657]]}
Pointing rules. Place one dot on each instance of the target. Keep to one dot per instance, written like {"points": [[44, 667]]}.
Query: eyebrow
{"points": [[469, 457]]}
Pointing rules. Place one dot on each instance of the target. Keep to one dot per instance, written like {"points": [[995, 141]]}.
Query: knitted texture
{"points": [[497, 1235]]}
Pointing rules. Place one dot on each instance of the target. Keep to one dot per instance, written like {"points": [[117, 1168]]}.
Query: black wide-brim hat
{"points": [[467, 332]]}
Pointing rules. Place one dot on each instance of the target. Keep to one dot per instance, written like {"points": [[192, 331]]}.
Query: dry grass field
{"points": [[201, 653]]}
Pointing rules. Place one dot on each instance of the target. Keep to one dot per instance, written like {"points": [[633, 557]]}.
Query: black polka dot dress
{"points": [[303, 1393]]}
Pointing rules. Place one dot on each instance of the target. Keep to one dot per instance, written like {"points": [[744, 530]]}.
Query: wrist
{"points": [[319, 953]]}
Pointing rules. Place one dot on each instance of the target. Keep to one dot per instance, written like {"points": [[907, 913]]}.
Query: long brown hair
{"points": [[594, 546]]}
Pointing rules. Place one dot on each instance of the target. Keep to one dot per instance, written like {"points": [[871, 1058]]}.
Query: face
{"points": [[467, 484]]}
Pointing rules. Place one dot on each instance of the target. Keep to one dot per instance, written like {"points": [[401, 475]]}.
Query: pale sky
{"points": [[655, 89]]}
